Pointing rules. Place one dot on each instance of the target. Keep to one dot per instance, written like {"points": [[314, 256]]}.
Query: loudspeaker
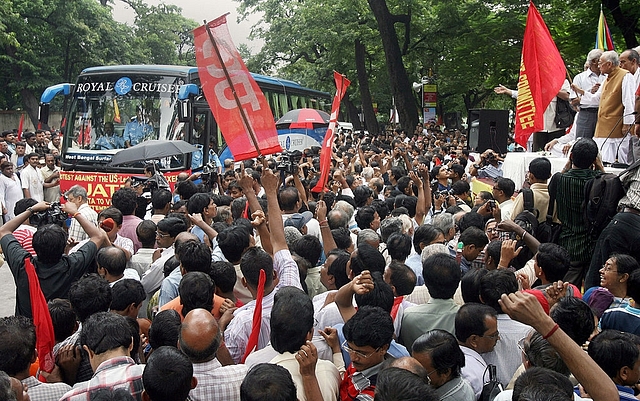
{"points": [[488, 129], [452, 120]]}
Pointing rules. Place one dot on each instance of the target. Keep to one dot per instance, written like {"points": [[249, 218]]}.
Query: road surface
{"points": [[7, 292]]}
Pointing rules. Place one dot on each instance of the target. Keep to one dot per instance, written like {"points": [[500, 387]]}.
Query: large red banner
{"points": [[101, 186], [238, 104], [542, 73], [342, 83]]}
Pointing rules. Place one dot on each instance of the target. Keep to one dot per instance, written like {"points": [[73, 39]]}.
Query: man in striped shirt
{"points": [[280, 271]]}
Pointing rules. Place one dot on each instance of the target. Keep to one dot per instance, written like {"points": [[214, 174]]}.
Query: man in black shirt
{"points": [[56, 271]]}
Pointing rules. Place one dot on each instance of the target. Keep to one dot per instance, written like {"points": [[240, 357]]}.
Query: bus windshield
{"points": [[109, 112]]}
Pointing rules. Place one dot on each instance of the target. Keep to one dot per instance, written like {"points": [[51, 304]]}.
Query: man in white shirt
{"points": [[630, 61], [587, 81], [615, 113], [32, 182], [10, 189], [291, 334], [477, 333], [112, 264]]}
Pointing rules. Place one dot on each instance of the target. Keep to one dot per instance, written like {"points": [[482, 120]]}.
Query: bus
{"points": [[114, 107]]}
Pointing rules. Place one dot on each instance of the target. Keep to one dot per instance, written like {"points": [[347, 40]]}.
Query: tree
{"points": [[398, 79]]}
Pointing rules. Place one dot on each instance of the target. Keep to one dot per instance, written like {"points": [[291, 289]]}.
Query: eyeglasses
{"points": [[521, 345], [492, 336], [159, 235], [497, 188], [350, 350], [607, 268], [429, 375]]}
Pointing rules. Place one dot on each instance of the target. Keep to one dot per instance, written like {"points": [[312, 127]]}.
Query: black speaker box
{"points": [[488, 129], [452, 120]]}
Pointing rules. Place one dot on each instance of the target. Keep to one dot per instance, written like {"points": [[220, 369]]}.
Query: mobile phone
{"points": [[108, 224]]}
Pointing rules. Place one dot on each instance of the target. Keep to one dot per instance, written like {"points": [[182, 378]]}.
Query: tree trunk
{"points": [[370, 121], [628, 25], [400, 85], [352, 112], [30, 103]]}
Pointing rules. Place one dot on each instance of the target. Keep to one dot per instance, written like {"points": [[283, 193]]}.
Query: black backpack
{"points": [[528, 218], [548, 231], [564, 114], [601, 196]]}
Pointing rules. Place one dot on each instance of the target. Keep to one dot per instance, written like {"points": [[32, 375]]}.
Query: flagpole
{"points": [[233, 90]]}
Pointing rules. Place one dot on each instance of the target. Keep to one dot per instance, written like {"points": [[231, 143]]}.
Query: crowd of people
{"points": [[395, 283], [30, 167]]}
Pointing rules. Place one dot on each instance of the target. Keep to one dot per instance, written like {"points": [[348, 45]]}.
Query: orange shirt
{"points": [[177, 306]]}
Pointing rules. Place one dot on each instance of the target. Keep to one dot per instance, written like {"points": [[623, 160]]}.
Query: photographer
{"points": [[55, 270], [490, 166]]}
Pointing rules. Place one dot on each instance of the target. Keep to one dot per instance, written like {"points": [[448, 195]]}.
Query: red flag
{"points": [[239, 106], [45, 336], [342, 83], [20, 127], [542, 73], [257, 317]]}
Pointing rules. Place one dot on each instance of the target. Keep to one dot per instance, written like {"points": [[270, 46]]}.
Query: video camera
{"points": [[209, 173], [53, 215], [286, 163]]}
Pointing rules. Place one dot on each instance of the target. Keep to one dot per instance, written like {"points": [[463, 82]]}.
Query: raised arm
{"points": [[276, 227], [420, 205], [525, 308], [301, 189], [13, 224], [96, 235], [328, 243], [361, 284]]}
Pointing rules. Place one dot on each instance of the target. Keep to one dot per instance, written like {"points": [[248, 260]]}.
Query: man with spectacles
{"points": [[367, 349], [77, 195], [587, 81], [615, 113], [477, 333]]}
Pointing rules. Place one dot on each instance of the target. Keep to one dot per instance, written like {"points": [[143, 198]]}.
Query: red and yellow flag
{"points": [[238, 105], [604, 41], [542, 73], [342, 83], [116, 112]]}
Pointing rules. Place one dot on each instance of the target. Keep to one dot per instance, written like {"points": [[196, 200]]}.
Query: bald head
{"points": [[185, 236], [410, 364], [199, 336]]}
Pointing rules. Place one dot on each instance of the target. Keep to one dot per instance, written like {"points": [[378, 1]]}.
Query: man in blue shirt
{"points": [[136, 130]]}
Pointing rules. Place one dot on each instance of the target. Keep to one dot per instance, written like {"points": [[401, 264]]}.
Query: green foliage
{"points": [[468, 46], [45, 42]]}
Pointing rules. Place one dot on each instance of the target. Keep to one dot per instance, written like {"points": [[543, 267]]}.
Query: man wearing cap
{"points": [[299, 221], [289, 200], [137, 129]]}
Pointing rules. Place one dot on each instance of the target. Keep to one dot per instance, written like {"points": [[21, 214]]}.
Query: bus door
{"points": [[203, 136]]}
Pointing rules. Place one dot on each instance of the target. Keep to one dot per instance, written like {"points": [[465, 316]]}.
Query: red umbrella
{"points": [[303, 118]]}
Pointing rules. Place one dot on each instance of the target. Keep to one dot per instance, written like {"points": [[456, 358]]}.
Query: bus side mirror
{"points": [[184, 93], [43, 114], [184, 111]]}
